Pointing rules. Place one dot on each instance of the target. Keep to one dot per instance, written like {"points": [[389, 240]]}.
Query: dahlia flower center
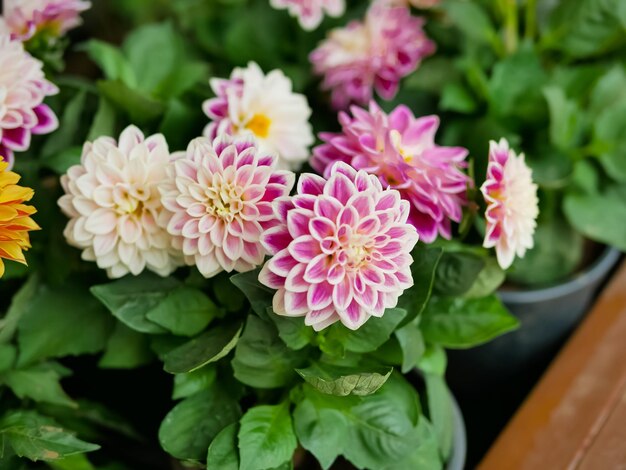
{"points": [[129, 200], [224, 200], [259, 125]]}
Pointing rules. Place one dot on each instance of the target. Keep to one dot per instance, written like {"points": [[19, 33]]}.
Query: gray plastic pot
{"points": [[459, 442], [547, 318]]}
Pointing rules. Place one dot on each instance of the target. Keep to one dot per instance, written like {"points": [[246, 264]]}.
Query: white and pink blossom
{"points": [[372, 54], [310, 13], [219, 202], [25, 18], [342, 251], [512, 204], [251, 103], [23, 88]]}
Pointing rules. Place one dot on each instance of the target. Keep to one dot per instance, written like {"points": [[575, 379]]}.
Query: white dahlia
{"points": [[512, 204], [265, 106], [113, 201]]}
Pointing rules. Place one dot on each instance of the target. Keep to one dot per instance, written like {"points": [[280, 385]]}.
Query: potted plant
{"points": [[246, 312]]}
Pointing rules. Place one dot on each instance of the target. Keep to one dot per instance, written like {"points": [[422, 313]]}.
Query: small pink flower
{"points": [[400, 150], [23, 87], [371, 54], [512, 204], [25, 18], [219, 199], [311, 12], [342, 251]]}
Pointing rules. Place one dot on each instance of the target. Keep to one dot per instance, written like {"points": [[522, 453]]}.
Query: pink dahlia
{"points": [[512, 204], [23, 87], [311, 12], [219, 199], [401, 151], [371, 54], [342, 251], [25, 18]]}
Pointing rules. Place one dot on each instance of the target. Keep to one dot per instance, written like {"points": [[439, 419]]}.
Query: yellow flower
{"points": [[15, 221]]}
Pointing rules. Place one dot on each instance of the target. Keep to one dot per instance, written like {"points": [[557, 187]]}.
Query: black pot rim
{"points": [[592, 274]]}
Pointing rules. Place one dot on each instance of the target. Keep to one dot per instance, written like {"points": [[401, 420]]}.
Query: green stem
{"points": [[531, 19], [511, 26]]}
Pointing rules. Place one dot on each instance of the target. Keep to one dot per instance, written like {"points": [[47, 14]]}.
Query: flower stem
{"points": [[511, 26], [531, 19]]}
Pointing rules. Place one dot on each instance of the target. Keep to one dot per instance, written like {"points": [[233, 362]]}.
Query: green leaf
{"points": [[373, 334], [191, 383], [73, 462], [154, 51], [39, 383], [63, 160], [182, 78], [103, 122], [261, 358], [190, 426], [457, 272], [434, 361], [293, 331], [440, 412], [321, 425], [609, 134], [426, 454], [342, 380], [209, 347], [609, 90], [266, 437], [515, 86], [259, 296], [69, 125], [126, 349], [456, 97], [489, 279], [139, 106], [588, 214], [227, 294], [131, 299], [179, 126], [223, 453], [8, 353], [20, 304], [423, 269], [586, 28], [462, 323], [380, 431], [558, 251], [185, 311], [112, 62], [566, 119], [63, 321], [35, 437], [412, 345], [472, 20]]}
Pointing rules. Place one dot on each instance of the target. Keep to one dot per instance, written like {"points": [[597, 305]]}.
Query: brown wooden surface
{"points": [[575, 418]]}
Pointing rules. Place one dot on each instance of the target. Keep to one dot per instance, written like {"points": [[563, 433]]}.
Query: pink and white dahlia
{"points": [[113, 201], [25, 18], [401, 151], [311, 12], [219, 201], [263, 106], [512, 204], [23, 87], [342, 251], [373, 54]]}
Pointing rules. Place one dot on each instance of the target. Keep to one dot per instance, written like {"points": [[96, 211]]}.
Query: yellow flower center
{"points": [[260, 125]]}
